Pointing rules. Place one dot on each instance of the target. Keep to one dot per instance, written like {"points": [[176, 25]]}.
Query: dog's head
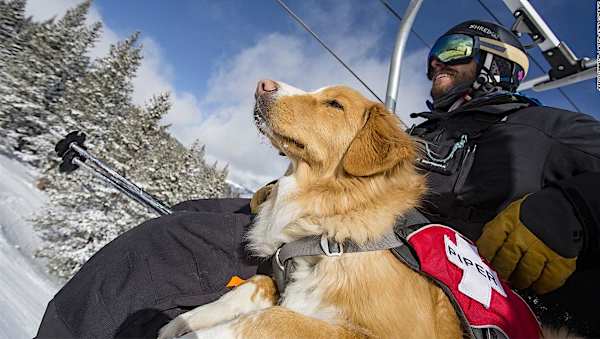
{"points": [[352, 168], [334, 131]]}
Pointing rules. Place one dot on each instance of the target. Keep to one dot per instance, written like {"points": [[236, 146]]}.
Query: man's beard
{"points": [[458, 78]]}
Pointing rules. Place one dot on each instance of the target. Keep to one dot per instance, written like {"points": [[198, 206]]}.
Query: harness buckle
{"points": [[277, 260], [327, 250]]}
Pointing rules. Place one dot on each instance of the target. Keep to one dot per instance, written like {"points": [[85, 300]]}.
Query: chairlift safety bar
{"points": [[396, 62]]}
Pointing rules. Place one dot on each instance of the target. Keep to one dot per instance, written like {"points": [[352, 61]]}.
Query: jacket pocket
{"points": [[464, 169], [175, 273]]}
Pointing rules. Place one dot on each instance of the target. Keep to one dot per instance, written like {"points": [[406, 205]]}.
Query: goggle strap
{"points": [[488, 60], [506, 51], [488, 64], [483, 71]]}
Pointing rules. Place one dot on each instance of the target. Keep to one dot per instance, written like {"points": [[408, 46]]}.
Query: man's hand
{"points": [[260, 196], [512, 243]]}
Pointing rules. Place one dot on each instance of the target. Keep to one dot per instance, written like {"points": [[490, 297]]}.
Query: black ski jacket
{"points": [[493, 151]]}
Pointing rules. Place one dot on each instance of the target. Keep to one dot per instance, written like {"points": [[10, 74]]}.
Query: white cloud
{"points": [[226, 126], [222, 118], [44, 9], [154, 74]]}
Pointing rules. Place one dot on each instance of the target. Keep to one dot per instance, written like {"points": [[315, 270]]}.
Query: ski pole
{"points": [[74, 155], [162, 210], [117, 178]]}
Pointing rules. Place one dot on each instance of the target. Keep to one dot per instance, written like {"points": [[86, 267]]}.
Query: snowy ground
{"points": [[243, 191], [24, 287]]}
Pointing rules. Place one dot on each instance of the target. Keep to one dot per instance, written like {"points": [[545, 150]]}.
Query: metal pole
{"points": [[121, 183], [550, 40], [124, 190], [100, 164], [401, 38], [587, 74], [543, 83]]}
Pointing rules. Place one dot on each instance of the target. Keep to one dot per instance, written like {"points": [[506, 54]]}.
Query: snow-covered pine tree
{"points": [[12, 24], [170, 171], [75, 39], [12, 20], [42, 59], [48, 86], [92, 214], [84, 214]]}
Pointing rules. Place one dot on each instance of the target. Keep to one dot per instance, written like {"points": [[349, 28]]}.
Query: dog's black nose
{"points": [[265, 86]]}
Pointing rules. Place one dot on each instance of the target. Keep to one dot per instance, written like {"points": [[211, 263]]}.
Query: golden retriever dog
{"points": [[352, 174]]}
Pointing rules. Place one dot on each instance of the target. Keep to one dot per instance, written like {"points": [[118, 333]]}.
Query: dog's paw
{"points": [[175, 328]]}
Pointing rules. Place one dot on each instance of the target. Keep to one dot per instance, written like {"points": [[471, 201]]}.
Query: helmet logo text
{"points": [[484, 30]]}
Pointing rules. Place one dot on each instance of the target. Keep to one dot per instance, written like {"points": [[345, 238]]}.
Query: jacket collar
{"points": [[500, 102]]}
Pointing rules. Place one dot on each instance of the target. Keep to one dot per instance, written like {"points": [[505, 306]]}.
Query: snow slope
{"points": [[243, 191], [24, 287]]}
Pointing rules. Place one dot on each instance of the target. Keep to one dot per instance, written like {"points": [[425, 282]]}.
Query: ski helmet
{"points": [[500, 56]]}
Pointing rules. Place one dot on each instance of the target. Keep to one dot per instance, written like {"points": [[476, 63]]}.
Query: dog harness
{"points": [[487, 307]]}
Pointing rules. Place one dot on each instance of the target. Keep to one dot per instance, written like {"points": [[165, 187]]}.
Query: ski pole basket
{"points": [[74, 155]]}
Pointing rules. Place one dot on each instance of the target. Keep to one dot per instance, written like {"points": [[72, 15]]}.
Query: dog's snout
{"points": [[265, 86]]}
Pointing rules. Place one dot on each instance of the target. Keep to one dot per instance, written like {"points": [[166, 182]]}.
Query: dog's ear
{"points": [[379, 146]]}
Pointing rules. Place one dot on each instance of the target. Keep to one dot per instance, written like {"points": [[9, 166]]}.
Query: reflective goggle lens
{"points": [[452, 47]]}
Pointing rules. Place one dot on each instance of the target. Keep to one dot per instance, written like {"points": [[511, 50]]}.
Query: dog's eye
{"points": [[334, 104]]}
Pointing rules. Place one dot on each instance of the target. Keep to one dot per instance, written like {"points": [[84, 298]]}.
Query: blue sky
{"points": [[195, 35], [209, 55]]}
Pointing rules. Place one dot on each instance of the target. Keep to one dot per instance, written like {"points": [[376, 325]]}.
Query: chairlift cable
{"points": [[391, 9], [295, 17], [569, 99], [559, 89], [530, 57], [487, 9]]}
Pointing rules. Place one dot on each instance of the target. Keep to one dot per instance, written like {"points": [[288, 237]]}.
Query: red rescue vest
{"points": [[485, 300]]}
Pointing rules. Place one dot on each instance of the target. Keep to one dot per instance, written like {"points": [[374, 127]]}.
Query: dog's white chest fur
{"points": [[267, 234], [303, 294]]}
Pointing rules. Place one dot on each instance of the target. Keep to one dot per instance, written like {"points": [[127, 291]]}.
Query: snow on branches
{"points": [[48, 87]]}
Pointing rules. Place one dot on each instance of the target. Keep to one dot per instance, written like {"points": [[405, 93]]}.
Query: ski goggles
{"points": [[455, 49]]}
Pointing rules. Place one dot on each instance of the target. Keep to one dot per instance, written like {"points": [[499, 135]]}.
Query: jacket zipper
{"points": [[459, 177]]}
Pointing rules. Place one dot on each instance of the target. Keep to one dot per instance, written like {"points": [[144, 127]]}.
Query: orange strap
{"points": [[235, 281]]}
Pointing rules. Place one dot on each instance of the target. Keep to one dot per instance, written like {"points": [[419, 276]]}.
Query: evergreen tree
{"points": [[48, 86], [91, 213], [12, 24], [49, 56], [76, 39], [12, 20]]}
